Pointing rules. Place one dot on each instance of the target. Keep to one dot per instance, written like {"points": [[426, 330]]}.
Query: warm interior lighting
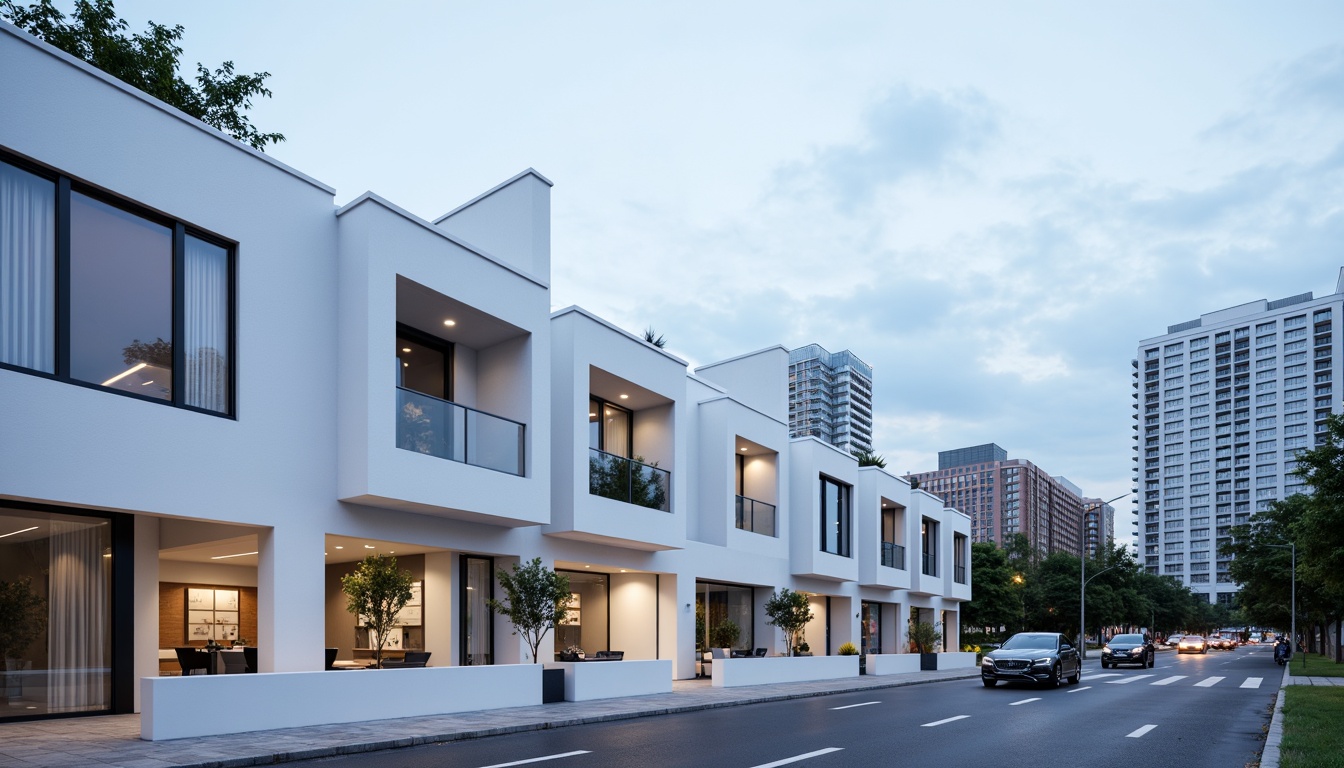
{"points": [[15, 533], [450, 323], [587, 566], [405, 349], [625, 397], [743, 449], [591, 414], [369, 546], [226, 557], [622, 570], [471, 589], [340, 547], [123, 375]]}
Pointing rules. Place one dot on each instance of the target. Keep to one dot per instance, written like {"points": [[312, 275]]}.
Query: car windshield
{"points": [[1131, 639], [1030, 640], [1192, 639]]}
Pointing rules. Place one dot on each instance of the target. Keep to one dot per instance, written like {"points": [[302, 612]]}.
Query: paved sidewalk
{"points": [[114, 741]]}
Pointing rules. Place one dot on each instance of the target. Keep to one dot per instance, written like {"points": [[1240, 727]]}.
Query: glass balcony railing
{"points": [[755, 516], [629, 480], [455, 432], [959, 574], [930, 564], [893, 555]]}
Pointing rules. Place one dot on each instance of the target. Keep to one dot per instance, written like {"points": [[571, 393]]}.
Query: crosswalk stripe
{"points": [[1252, 682], [1210, 682], [1168, 680], [1103, 674], [1127, 680], [1139, 733]]}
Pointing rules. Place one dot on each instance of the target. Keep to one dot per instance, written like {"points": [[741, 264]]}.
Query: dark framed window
{"points": [[835, 517], [476, 621], [424, 363], [610, 428], [100, 292]]}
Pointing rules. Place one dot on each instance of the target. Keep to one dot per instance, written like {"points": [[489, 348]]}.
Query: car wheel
{"points": [[989, 683], [1053, 680], [1077, 674], [1151, 660], [1206, 650]]}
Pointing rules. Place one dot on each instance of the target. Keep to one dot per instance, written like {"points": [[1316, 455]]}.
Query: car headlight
{"points": [[987, 663], [1105, 649], [1045, 661], [1136, 652]]}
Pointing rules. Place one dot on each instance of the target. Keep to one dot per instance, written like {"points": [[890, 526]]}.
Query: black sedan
{"points": [[1128, 649], [1032, 657]]}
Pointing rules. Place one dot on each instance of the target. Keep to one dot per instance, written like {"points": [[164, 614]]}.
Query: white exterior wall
{"points": [[313, 454]]}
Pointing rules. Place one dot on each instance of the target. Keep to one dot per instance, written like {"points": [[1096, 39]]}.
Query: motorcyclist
{"points": [[1282, 650]]}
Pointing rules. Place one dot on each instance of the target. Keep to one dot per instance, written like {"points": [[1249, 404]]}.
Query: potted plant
{"points": [[790, 611], [724, 635], [925, 637], [23, 617], [536, 599], [376, 591], [848, 649]]}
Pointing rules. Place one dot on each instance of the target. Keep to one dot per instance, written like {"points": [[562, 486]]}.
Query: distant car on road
{"points": [[1128, 649], [1192, 644], [1044, 658], [1174, 640]]}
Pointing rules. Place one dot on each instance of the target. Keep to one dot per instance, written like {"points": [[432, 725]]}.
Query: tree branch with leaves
{"points": [[537, 600]]}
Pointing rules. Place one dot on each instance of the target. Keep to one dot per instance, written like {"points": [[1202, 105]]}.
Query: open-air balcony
{"points": [[893, 555], [755, 516], [445, 429], [628, 480]]}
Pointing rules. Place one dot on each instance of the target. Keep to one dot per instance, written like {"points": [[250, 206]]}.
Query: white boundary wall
{"points": [[730, 673], [892, 663], [587, 680]]}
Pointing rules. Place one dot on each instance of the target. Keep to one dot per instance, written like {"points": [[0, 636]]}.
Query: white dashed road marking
{"points": [[1168, 680], [1133, 679], [538, 759], [1140, 732], [1024, 701], [1103, 674], [1252, 682], [1075, 690], [851, 706], [1209, 683], [797, 758], [947, 720]]}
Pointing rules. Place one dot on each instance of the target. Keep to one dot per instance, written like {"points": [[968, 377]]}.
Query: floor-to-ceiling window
{"points": [[871, 628], [721, 610], [57, 586], [587, 627], [477, 621], [835, 517]]}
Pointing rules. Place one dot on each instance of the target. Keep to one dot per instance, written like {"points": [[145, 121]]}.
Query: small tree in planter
{"points": [[538, 599], [790, 611], [926, 638], [376, 592], [724, 634]]}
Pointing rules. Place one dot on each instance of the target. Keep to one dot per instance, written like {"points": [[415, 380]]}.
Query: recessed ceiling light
{"points": [[340, 547], [591, 414], [622, 570], [369, 546], [405, 349], [587, 566], [123, 375], [13, 533], [324, 554], [625, 397], [743, 449], [471, 589], [226, 557], [450, 323], [405, 365]]}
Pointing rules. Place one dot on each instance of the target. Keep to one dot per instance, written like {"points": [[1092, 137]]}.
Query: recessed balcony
{"points": [[755, 516], [893, 555], [628, 480], [445, 429]]}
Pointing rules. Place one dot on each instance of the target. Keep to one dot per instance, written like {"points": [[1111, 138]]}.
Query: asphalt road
{"points": [[1188, 711]]}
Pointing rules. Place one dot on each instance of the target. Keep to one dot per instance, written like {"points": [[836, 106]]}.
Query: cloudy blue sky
{"points": [[990, 202]]}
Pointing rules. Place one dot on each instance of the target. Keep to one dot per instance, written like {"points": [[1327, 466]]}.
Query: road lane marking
{"points": [[1127, 680], [941, 722], [797, 758], [1075, 690], [1209, 683], [1139, 733], [538, 759], [1024, 701], [851, 706], [1103, 674], [1168, 680], [1252, 682]]}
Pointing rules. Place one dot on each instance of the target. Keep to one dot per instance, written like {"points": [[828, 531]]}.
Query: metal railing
{"points": [[755, 516], [893, 555], [930, 564], [441, 428], [634, 482], [959, 574]]}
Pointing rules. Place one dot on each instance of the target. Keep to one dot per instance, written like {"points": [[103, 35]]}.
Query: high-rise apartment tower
{"points": [[831, 397], [1222, 406]]}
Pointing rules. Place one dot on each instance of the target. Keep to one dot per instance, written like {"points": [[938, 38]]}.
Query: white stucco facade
{"points": [[315, 459]]}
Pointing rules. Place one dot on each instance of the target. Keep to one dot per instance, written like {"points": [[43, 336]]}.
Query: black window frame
{"points": [[65, 185], [629, 433], [446, 347], [464, 569], [846, 534]]}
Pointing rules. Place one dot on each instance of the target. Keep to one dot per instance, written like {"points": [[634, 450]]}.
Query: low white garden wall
{"points": [[956, 660], [588, 680], [892, 663], [204, 705], [730, 673]]}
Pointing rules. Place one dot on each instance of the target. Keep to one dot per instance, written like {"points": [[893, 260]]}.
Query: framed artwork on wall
{"points": [[226, 617], [226, 599], [415, 595], [226, 632], [200, 599], [200, 617], [200, 632]]}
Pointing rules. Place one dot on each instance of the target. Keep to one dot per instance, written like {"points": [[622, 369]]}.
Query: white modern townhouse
{"points": [[219, 392]]}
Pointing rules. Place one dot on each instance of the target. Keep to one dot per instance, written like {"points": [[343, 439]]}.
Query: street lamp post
{"points": [[1292, 632], [1082, 573]]}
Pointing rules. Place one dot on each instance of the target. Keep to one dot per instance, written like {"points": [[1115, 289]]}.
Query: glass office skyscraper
{"points": [[831, 397]]}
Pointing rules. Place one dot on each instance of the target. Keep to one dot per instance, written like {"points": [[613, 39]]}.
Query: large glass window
{"points": [[587, 626], [835, 517], [423, 363], [478, 636], [27, 270], [55, 613], [928, 533], [721, 608], [871, 628], [148, 306], [609, 428]]}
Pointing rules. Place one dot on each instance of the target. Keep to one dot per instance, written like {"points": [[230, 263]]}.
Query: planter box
{"points": [[956, 660], [588, 680], [206, 705], [730, 673], [928, 662], [552, 686], [892, 663]]}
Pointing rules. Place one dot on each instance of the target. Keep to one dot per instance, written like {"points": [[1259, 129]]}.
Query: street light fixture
{"points": [[1082, 573], [1292, 632]]}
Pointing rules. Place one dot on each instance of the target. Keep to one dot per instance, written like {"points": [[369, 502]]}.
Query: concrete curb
{"points": [[1269, 756], [273, 758]]}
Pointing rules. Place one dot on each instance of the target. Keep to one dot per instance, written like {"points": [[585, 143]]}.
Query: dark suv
{"points": [[1032, 657], [1128, 649]]}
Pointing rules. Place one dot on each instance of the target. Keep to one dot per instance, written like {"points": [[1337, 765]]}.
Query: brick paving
{"points": [[113, 741]]}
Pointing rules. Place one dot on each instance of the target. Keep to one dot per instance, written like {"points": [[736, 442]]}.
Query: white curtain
{"points": [[27, 270], [207, 325], [79, 618]]}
